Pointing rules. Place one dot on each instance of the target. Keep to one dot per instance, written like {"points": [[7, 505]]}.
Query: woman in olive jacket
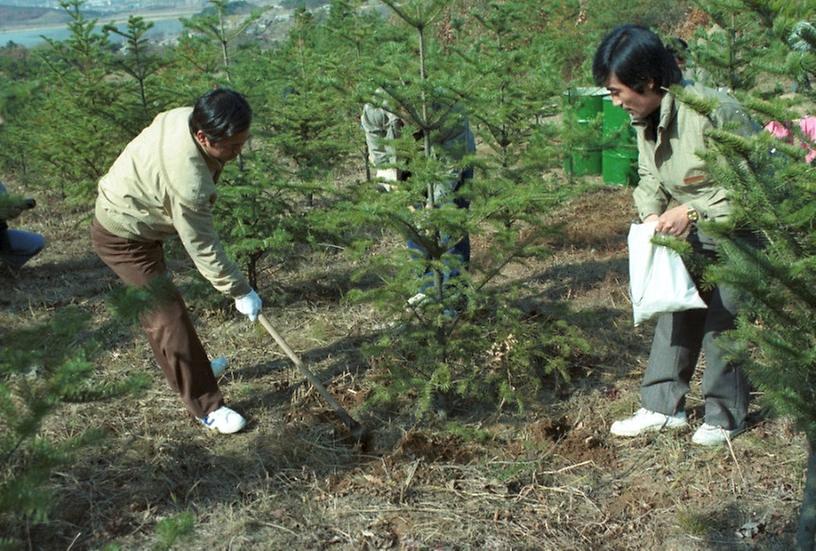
{"points": [[676, 191]]}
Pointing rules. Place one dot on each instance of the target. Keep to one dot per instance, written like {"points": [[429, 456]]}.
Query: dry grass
{"points": [[552, 478]]}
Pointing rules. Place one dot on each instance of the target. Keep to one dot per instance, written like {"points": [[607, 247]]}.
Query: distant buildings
{"points": [[114, 5]]}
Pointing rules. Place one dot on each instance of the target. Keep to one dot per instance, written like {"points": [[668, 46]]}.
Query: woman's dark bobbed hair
{"points": [[636, 56], [221, 114]]}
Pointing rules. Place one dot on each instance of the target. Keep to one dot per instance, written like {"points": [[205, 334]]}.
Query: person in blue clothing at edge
{"points": [[16, 246], [676, 190], [453, 140], [163, 185]]}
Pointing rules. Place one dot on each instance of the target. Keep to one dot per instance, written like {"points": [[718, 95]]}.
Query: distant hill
{"points": [[233, 8], [15, 16]]}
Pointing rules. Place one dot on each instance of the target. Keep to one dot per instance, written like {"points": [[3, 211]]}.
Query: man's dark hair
{"points": [[636, 56], [221, 114]]}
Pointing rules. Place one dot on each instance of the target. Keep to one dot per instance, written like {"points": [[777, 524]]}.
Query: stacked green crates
{"points": [[584, 105], [619, 157]]}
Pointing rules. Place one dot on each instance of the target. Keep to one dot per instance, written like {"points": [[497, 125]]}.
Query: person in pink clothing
{"points": [[808, 127]]}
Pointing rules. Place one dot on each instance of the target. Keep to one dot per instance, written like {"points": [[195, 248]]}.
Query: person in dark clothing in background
{"points": [[16, 246]]}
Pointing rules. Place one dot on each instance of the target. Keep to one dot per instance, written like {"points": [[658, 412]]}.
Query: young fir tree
{"points": [[141, 64], [20, 91], [78, 145], [732, 52], [19, 97], [768, 252], [306, 113], [749, 38], [353, 32], [206, 57], [213, 37], [517, 92], [773, 195], [251, 216], [42, 368], [103, 99], [458, 342], [273, 207]]}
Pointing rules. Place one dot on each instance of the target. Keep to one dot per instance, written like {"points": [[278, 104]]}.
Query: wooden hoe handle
{"points": [[353, 425]]}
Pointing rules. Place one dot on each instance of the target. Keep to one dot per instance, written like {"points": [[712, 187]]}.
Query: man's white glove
{"points": [[249, 305], [385, 175]]}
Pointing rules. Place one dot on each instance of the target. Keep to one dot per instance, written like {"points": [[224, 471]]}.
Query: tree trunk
{"points": [[252, 270], [806, 531], [367, 166]]}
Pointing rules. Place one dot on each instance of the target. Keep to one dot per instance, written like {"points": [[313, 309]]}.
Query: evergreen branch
{"points": [[738, 144], [394, 5], [702, 105], [771, 110], [404, 104], [244, 25], [797, 289], [22, 438], [410, 232], [512, 254], [753, 193], [803, 37]]}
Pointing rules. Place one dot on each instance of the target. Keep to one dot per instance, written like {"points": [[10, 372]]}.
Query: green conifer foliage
{"points": [[77, 146], [725, 52], [80, 103], [768, 249], [302, 138], [775, 338], [306, 104], [19, 92], [210, 47], [42, 368], [140, 65], [258, 215], [351, 34], [747, 40], [462, 340]]}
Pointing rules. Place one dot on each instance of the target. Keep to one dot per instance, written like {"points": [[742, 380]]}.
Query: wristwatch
{"points": [[693, 215]]}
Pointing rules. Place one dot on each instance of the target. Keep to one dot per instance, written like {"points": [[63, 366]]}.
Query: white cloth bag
{"points": [[658, 279]]}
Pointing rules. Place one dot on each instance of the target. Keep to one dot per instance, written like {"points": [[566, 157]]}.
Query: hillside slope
{"points": [[550, 478]]}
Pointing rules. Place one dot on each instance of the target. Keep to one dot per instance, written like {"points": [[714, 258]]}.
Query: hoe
{"points": [[358, 431]]}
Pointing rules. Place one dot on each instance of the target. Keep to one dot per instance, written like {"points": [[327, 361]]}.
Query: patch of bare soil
{"points": [[552, 478], [576, 443]]}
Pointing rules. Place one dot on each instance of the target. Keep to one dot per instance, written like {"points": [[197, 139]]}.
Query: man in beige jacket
{"points": [[163, 184]]}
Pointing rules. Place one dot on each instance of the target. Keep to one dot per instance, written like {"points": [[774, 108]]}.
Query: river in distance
{"points": [[34, 36]]}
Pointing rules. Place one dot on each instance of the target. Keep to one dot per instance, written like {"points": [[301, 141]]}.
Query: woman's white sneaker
{"points": [[712, 435], [645, 420], [224, 420]]}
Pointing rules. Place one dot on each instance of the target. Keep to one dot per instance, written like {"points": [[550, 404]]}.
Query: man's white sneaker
{"points": [[645, 420], [219, 366], [224, 420], [712, 435]]}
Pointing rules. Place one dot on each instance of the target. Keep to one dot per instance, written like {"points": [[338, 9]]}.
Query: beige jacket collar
{"points": [[668, 112]]}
